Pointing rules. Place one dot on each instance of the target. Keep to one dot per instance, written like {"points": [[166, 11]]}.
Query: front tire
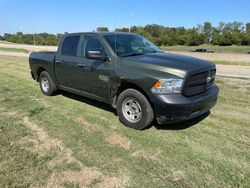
{"points": [[47, 85], [134, 110]]}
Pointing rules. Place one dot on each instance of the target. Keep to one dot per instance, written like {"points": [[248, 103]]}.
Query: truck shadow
{"points": [[106, 107], [86, 100], [182, 125]]}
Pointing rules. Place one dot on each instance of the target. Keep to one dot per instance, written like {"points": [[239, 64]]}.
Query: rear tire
{"points": [[47, 85], [134, 110]]}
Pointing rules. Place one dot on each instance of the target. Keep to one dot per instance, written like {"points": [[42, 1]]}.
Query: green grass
{"points": [[217, 49], [14, 50], [212, 153], [4, 42]]}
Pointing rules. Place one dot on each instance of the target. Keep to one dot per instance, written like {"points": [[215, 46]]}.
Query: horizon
{"points": [[62, 16], [95, 30]]}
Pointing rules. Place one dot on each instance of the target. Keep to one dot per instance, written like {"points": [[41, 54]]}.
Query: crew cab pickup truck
{"points": [[131, 74]]}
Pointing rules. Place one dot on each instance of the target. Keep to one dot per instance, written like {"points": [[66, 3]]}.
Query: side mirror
{"points": [[95, 54]]}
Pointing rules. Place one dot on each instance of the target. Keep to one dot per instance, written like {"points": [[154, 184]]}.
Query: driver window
{"points": [[93, 44]]}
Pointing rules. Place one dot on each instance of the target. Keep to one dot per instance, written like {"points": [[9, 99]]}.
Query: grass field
{"points": [[3, 42], [218, 49], [14, 50], [71, 141]]}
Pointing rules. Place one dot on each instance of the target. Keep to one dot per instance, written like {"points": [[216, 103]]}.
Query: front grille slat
{"points": [[198, 83]]}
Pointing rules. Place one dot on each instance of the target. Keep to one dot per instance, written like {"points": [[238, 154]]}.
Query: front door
{"points": [[97, 72]]}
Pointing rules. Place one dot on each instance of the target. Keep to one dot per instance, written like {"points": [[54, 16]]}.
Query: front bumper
{"points": [[177, 108]]}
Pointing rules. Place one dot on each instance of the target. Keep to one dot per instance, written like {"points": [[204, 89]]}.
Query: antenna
{"points": [[130, 15], [34, 34], [115, 46]]}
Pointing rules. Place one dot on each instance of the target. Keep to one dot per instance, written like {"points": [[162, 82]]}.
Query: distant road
{"points": [[222, 70], [233, 57], [217, 56], [232, 71], [31, 48], [15, 54]]}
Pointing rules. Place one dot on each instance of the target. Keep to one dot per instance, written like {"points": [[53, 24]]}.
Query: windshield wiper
{"points": [[153, 51]]}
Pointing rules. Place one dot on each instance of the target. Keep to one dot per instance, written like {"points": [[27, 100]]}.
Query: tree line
{"points": [[225, 34], [36, 38]]}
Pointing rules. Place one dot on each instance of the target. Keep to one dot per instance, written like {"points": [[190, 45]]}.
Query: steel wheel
{"points": [[45, 84], [131, 110]]}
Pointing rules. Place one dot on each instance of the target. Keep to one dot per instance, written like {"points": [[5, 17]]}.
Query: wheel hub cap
{"points": [[131, 110]]}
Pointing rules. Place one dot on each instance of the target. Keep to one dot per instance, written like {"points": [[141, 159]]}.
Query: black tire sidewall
{"points": [[147, 111]]}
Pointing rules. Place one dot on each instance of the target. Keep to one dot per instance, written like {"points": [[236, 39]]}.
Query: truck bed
{"points": [[45, 60]]}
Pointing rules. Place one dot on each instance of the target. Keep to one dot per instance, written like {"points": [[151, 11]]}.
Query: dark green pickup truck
{"points": [[130, 73]]}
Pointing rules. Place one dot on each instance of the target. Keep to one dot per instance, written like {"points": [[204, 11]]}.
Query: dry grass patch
{"points": [[152, 155], [42, 144], [177, 175], [118, 140], [242, 84], [87, 126], [84, 178]]}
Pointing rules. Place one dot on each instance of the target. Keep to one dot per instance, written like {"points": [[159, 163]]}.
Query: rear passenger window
{"points": [[70, 45]]}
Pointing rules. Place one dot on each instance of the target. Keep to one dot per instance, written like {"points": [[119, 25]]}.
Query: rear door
{"points": [[68, 64]]}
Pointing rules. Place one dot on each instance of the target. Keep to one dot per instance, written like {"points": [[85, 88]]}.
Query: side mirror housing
{"points": [[96, 54]]}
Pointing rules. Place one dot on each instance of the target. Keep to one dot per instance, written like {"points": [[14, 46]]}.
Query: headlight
{"points": [[167, 86]]}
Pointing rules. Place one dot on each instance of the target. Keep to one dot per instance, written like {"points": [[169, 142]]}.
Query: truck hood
{"points": [[179, 65]]}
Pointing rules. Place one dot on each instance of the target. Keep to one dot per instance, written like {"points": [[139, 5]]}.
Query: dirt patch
{"points": [[118, 140], [84, 178]]}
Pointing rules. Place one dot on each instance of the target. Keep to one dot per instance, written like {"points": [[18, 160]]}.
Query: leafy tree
{"points": [[194, 38], [248, 28], [124, 29], [102, 29], [224, 34], [154, 30], [141, 31], [208, 31]]}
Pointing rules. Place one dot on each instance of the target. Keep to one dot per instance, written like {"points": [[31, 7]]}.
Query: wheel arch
{"points": [[125, 84], [39, 71]]}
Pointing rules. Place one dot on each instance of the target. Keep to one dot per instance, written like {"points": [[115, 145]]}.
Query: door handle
{"points": [[58, 62], [81, 65]]}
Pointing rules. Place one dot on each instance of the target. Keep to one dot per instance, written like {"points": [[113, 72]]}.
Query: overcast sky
{"points": [[58, 16]]}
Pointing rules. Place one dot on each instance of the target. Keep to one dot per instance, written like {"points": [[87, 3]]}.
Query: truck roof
{"points": [[102, 33]]}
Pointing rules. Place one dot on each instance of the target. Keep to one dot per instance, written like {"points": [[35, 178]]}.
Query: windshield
{"points": [[130, 45]]}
